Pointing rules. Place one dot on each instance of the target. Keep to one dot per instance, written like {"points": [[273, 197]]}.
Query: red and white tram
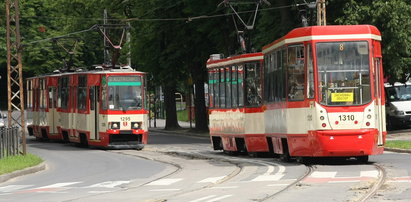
{"points": [[323, 93], [235, 103], [103, 108]]}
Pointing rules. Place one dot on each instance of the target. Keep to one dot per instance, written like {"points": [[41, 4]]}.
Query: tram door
{"points": [[52, 109], [378, 96], [93, 121]]}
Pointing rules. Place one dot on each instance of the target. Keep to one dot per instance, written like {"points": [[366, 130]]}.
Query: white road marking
{"points": [[164, 182], [165, 190], [277, 185], [204, 198], [98, 192], [11, 188], [267, 176], [109, 184], [319, 174], [228, 187], [58, 185], [263, 178], [371, 173], [211, 179], [219, 198], [344, 181]]}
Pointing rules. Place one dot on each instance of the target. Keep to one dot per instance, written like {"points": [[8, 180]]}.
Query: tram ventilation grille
{"points": [[125, 139]]}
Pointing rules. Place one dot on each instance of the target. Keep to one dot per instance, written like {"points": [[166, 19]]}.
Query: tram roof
{"points": [[329, 32], [247, 57], [97, 71]]}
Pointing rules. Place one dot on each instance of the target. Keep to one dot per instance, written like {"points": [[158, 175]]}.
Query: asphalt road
{"points": [[74, 172], [182, 167]]}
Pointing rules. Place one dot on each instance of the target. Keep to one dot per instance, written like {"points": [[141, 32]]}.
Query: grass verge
{"points": [[13, 163], [398, 144], [183, 115]]}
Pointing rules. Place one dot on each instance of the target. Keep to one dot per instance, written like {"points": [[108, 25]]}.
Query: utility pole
{"points": [[107, 57], [15, 70], [321, 21], [129, 45]]}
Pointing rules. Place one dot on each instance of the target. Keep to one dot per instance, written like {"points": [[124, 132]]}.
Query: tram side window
{"points": [[29, 104], [295, 70], [310, 73], [234, 86], [267, 80], [253, 84], [273, 77], [282, 83], [51, 92], [63, 98], [42, 93], [82, 92], [210, 89], [222, 88], [240, 85], [217, 88], [228, 87]]}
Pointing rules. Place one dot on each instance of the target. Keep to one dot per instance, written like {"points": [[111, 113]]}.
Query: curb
{"points": [[397, 150], [26, 171], [180, 132]]}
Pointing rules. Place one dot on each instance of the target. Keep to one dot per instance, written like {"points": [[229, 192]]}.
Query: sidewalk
{"points": [[185, 128]]}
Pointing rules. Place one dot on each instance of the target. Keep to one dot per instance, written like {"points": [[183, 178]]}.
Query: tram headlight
{"points": [[114, 125], [369, 116], [136, 125]]}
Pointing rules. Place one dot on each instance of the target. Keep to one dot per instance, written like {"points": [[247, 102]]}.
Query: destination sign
{"points": [[124, 79], [342, 97]]}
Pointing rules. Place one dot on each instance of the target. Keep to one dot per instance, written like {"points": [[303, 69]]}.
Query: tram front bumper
{"points": [[343, 143]]}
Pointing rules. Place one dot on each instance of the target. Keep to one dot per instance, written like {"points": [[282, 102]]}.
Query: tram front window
{"points": [[124, 93], [343, 73]]}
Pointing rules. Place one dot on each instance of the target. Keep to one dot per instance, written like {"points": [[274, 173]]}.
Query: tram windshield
{"points": [[343, 73], [124, 93]]}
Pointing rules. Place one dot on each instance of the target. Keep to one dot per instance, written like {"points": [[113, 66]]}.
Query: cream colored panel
{"points": [[275, 121], [297, 121], [254, 123], [227, 122]]}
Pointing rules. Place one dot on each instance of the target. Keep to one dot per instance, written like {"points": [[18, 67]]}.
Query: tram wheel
{"points": [[285, 157], [362, 159], [304, 160]]}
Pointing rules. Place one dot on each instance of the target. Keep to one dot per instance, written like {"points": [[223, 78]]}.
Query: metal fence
{"points": [[9, 142]]}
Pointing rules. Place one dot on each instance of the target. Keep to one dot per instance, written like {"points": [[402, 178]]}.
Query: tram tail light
{"points": [[324, 125], [368, 124], [136, 125], [114, 125]]}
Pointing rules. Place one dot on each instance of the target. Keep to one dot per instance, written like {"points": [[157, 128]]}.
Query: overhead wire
{"points": [[187, 19]]}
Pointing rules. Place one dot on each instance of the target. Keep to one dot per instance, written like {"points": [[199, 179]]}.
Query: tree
{"points": [[393, 19]]}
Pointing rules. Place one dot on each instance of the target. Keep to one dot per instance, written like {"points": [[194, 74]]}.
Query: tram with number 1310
{"points": [[100, 108], [316, 92]]}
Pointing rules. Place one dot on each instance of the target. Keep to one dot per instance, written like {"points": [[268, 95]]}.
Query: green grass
{"points": [[13, 163], [182, 115], [398, 144]]}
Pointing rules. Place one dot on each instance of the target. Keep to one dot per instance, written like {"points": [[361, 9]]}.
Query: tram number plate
{"points": [[125, 118], [346, 117]]}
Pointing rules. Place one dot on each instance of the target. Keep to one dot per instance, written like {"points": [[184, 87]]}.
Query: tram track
{"points": [[237, 161], [309, 169], [377, 185]]}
